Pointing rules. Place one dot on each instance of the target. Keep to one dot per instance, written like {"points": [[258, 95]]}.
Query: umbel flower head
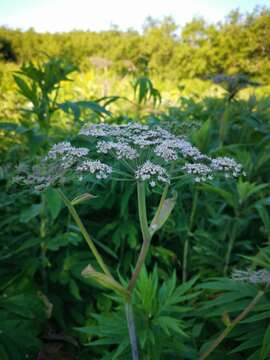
{"points": [[255, 277], [131, 152]]}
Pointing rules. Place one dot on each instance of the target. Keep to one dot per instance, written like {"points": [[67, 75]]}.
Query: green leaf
{"points": [[24, 88], [74, 289], [30, 213], [3, 354], [62, 240], [228, 197], [170, 325], [8, 126], [265, 351], [54, 202]]}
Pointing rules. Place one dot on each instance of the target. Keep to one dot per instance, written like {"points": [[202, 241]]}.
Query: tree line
{"points": [[239, 44]]}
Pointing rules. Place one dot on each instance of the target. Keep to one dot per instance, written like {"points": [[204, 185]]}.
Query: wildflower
{"points": [[164, 151], [139, 152], [226, 165], [152, 172], [65, 148], [102, 171], [121, 149], [202, 172], [254, 277]]}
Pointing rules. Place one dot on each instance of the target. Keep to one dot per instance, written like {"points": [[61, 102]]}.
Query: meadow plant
{"points": [[151, 157]]}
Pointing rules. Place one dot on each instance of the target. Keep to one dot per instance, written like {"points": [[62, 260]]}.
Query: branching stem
{"points": [[84, 232]]}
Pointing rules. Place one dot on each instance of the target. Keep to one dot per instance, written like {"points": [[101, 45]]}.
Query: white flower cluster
{"points": [[200, 171], [151, 172], [65, 148], [165, 151], [66, 154], [102, 171], [122, 150], [227, 165], [254, 277], [100, 130], [168, 148], [147, 153]]}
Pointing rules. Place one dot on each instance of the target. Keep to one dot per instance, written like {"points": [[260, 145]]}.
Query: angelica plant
{"points": [[149, 156]]}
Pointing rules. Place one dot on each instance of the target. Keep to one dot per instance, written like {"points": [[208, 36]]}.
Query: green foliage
{"points": [[42, 87], [160, 332], [45, 302], [239, 44]]}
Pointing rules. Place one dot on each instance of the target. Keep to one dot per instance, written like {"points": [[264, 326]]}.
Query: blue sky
{"points": [[65, 15]]}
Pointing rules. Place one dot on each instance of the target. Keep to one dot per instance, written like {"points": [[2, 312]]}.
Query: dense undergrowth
{"points": [[186, 303]]}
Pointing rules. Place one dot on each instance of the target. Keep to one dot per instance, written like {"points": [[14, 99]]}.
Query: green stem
{"points": [[229, 250], [186, 243], [240, 317], [223, 124], [84, 232], [145, 232], [185, 256], [132, 331], [43, 248]]}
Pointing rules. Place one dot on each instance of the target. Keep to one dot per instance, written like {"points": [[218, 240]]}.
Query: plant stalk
{"points": [[132, 331], [145, 232], [185, 256], [235, 322], [190, 228], [84, 232], [229, 251]]}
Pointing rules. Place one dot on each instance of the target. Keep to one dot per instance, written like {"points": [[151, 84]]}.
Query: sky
{"points": [[96, 15]]}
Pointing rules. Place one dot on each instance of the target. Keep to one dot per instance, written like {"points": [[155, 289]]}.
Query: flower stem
{"points": [[145, 232], [229, 250], [84, 232], [228, 329], [132, 331], [190, 228], [185, 256]]}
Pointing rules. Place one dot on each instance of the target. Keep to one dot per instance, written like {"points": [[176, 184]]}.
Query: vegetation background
{"points": [[209, 82]]}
